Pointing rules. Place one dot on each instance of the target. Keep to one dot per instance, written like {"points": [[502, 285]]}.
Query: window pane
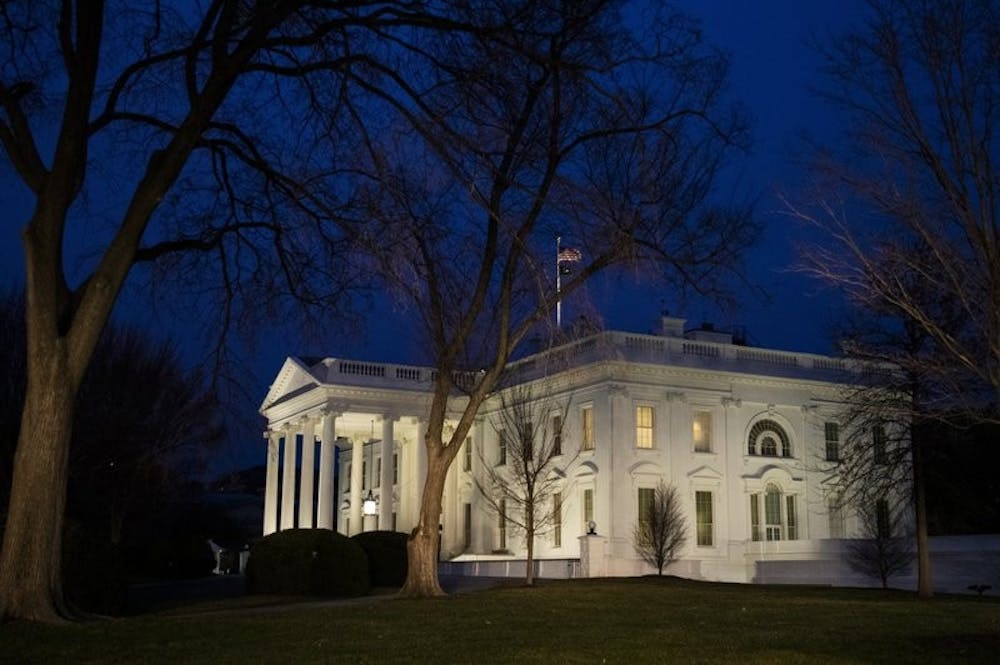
{"points": [[377, 480], [645, 504], [832, 442], [587, 427], [772, 513], [878, 444], [793, 525], [503, 523], [702, 431], [703, 513], [835, 513], [557, 435], [754, 517], [467, 465], [468, 526], [557, 519], [502, 457], [588, 508], [644, 427]]}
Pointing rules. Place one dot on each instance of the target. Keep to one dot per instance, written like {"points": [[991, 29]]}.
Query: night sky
{"points": [[773, 71]]}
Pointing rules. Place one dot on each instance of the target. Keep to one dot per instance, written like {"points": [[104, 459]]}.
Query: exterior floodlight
{"points": [[370, 506], [591, 528]]}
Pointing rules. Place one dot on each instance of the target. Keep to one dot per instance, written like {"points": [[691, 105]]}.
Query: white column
{"points": [[421, 468], [288, 481], [308, 469], [385, 499], [324, 509], [357, 459], [271, 484]]}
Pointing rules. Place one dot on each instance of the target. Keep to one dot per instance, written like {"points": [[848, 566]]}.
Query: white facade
{"points": [[740, 432]]}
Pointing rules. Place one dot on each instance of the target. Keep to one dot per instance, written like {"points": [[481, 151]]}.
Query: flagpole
{"points": [[558, 286]]}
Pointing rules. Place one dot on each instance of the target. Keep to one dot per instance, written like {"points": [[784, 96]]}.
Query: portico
{"points": [[368, 427]]}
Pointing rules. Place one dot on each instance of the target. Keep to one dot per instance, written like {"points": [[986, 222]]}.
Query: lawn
{"points": [[643, 620]]}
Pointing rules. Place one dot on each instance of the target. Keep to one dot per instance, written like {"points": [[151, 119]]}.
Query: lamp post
{"points": [[369, 509]]}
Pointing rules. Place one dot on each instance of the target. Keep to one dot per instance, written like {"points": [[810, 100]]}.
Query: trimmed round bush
{"points": [[314, 562], [387, 558]]}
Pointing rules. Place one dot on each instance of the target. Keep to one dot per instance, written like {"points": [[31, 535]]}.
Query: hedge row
{"points": [[325, 563]]}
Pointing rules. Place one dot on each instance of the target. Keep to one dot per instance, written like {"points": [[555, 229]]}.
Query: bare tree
{"points": [[569, 122], [174, 134], [909, 214], [912, 214], [661, 529], [523, 486], [883, 551]]}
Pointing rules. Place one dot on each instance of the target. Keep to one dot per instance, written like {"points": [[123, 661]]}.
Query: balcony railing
{"points": [[607, 346]]}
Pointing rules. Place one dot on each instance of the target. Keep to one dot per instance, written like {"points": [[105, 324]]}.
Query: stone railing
{"points": [[616, 346]]}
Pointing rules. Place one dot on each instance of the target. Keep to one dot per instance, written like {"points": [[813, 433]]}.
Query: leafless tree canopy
{"points": [[521, 487], [661, 529], [910, 206], [313, 148], [884, 550]]}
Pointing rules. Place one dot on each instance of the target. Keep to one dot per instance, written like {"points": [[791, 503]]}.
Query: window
{"points": [[377, 480], [467, 526], [781, 520], [467, 458], [883, 524], [878, 444], [364, 474], [768, 438], [588, 509], [347, 477], [587, 428], [832, 432], [646, 495], [835, 515], [557, 435], [772, 513], [702, 431], [557, 519], [643, 427], [502, 458], [791, 519], [703, 517], [502, 514]]}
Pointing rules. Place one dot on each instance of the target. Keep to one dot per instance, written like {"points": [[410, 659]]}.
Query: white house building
{"points": [[748, 436]]}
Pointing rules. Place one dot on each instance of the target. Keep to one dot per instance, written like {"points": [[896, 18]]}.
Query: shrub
{"points": [[387, 558], [181, 557], [315, 562], [93, 577]]}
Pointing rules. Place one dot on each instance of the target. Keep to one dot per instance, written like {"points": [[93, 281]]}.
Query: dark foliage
{"points": [[963, 489], [92, 570], [314, 562], [387, 558]]}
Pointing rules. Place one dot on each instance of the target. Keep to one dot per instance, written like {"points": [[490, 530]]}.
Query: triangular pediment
{"points": [[705, 472], [293, 378]]}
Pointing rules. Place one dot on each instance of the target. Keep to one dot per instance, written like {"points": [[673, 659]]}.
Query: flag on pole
{"points": [[570, 255]]}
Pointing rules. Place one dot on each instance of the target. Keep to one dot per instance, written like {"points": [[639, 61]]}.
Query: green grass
{"points": [[587, 621]]}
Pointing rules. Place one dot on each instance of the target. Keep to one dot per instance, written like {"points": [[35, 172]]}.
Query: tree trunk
{"points": [[422, 547], [31, 558], [925, 584], [529, 534]]}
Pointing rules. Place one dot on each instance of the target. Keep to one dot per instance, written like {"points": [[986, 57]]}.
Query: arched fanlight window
{"points": [[769, 439]]}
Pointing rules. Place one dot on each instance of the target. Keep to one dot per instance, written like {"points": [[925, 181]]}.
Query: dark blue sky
{"points": [[773, 69]]}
